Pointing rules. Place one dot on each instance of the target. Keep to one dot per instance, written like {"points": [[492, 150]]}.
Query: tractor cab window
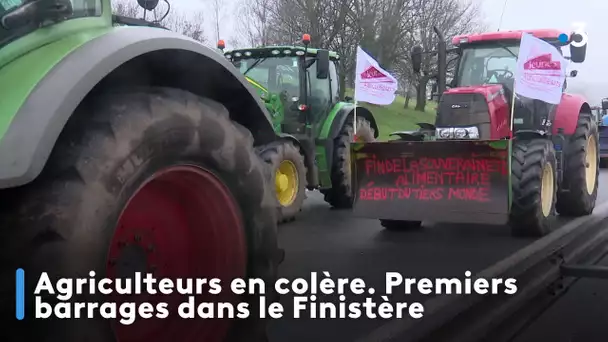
{"points": [[278, 75], [335, 83], [319, 94], [80, 8], [488, 64]]}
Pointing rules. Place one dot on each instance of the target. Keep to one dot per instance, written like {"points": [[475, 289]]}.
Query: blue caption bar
{"points": [[20, 293]]}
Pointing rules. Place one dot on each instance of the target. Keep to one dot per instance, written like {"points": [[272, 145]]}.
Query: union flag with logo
{"points": [[541, 70], [373, 84]]}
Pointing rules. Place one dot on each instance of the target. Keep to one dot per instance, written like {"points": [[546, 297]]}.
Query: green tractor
{"points": [[125, 148], [300, 88]]}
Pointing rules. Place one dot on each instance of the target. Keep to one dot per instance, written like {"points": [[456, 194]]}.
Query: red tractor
{"points": [[492, 156]]}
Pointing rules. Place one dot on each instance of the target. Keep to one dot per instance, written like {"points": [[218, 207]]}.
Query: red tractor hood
{"points": [[486, 90]]}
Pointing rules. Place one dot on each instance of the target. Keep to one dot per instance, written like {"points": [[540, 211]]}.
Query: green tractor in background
{"points": [[300, 88], [125, 147]]}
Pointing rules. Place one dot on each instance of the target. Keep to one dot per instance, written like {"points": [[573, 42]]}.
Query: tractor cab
{"points": [[21, 17], [478, 101], [297, 83], [56, 19]]}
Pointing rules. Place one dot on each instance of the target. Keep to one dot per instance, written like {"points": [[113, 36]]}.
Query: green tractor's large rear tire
{"points": [[340, 196], [581, 170], [289, 178], [150, 180], [534, 184]]}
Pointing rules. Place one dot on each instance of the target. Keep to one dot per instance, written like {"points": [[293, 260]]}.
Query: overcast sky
{"points": [[592, 79]]}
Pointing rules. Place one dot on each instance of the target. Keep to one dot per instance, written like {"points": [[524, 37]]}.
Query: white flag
{"points": [[541, 70], [372, 83]]}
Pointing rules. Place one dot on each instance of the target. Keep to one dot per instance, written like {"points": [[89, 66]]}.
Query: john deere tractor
{"points": [[300, 88], [492, 156], [125, 147]]}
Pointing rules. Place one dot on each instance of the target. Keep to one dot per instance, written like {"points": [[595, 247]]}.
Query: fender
{"points": [[34, 129], [334, 123], [567, 113], [346, 111]]}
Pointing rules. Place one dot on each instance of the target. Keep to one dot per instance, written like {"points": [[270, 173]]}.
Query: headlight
{"points": [[443, 133], [457, 133], [460, 133]]}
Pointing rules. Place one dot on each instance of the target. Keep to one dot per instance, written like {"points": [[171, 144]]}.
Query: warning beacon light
{"points": [[306, 38], [221, 45]]}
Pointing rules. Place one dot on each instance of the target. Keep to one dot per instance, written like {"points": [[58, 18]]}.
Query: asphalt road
{"points": [[335, 241]]}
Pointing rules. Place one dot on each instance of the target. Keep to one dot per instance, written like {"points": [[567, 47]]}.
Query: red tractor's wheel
{"points": [[534, 187], [581, 170], [150, 180], [171, 229]]}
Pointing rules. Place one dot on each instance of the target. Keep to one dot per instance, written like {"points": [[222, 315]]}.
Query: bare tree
{"points": [[126, 8], [324, 20], [451, 17], [387, 29], [189, 25], [253, 25]]}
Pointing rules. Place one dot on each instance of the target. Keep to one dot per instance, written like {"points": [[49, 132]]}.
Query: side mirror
{"points": [[578, 52], [322, 64], [416, 56], [573, 73], [148, 5], [604, 105]]}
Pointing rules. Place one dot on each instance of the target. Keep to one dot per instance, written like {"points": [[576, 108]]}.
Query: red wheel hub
{"points": [[181, 223]]}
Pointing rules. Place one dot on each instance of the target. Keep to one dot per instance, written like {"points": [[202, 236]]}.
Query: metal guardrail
{"points": [[544, 270]]}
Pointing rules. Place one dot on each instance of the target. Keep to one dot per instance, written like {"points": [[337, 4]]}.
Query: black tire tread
{"points": [[340, 196], [527, 162], [273, 155], [577, 201], [91, 164]]}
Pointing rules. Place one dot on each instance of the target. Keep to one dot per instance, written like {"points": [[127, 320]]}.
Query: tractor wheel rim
{"points": [[287, 183], [591, 164], [547, 190], [181, 223]]}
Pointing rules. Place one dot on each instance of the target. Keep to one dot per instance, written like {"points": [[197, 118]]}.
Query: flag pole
{"points": [[512, 110], [355, 110]]}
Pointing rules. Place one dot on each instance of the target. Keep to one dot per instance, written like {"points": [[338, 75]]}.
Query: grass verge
{"points": [[395, 117]]}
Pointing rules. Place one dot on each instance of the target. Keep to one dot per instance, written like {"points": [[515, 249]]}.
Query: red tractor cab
{"points": [[480, 95], [554, 151]]}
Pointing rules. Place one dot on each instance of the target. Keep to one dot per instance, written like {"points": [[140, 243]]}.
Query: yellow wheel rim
{"points": [[547, 190], [286, 183], [591, 164]]}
